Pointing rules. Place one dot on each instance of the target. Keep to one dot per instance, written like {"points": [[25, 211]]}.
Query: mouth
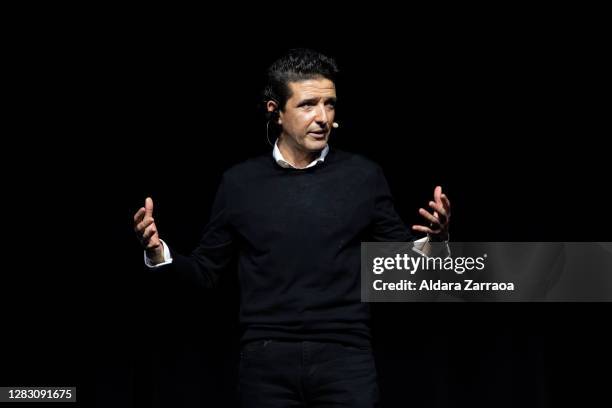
{"points": [[319, 134]]}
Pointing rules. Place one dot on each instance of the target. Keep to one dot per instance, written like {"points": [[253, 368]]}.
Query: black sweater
{"points": [[297, 235]]}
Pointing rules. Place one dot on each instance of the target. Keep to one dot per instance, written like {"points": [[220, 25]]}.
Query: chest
{"points": [[318, 206]]}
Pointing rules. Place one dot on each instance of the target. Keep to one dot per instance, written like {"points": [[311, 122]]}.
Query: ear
{"points": [[272, 106]]}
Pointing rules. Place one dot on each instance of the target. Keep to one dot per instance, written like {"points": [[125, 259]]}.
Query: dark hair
{"points": [[298, 64]]}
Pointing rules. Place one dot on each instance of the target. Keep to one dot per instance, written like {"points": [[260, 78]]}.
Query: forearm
{"points": [[202, 268]]}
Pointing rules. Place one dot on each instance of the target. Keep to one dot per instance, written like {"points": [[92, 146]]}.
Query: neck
{"points": [[299, 158]]}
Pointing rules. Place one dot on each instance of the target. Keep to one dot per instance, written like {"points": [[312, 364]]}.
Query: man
{"points": [[296, 219]]}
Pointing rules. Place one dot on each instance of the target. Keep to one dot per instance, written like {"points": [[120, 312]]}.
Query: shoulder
{"points": [[248, 169]]}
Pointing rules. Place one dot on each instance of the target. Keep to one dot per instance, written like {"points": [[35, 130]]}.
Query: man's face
{"points": [[309, 114]]}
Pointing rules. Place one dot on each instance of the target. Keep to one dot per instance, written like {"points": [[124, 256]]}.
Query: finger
{"points": [[148, 233], [144, 224], [139, 215], [439, 208], [429, 217], [446, 203], [437, 194], [149, 206], [153, 244], [425, 229]]}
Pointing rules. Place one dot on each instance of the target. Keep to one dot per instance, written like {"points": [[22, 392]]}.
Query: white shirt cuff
{"points": [[167, 258], [420, 243]]}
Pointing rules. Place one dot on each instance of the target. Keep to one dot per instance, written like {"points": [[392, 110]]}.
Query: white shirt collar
{"points": [[280, 160]]}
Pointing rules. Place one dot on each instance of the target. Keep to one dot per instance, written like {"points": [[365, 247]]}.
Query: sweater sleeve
{"points": [[387, 224], [216, 250]]}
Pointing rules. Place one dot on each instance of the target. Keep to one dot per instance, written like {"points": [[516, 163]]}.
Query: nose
{"points": [[321, 117]]}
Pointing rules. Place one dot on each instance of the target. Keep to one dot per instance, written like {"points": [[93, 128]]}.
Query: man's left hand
{"points": [[439, 220]]}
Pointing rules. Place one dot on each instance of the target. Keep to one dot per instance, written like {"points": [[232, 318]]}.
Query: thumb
{"points": [[148, 207]]}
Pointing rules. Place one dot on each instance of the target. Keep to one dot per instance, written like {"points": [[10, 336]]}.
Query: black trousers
{"points": [[306, 374]]}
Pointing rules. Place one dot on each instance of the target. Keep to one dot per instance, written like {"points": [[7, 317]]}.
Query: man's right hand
{"points": [[146, 231]]}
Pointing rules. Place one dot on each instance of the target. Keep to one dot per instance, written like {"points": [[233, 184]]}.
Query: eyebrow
{"points": [[312, 100]]}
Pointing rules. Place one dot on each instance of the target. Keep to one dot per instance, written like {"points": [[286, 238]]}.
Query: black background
{"points": [[510, 118]]}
